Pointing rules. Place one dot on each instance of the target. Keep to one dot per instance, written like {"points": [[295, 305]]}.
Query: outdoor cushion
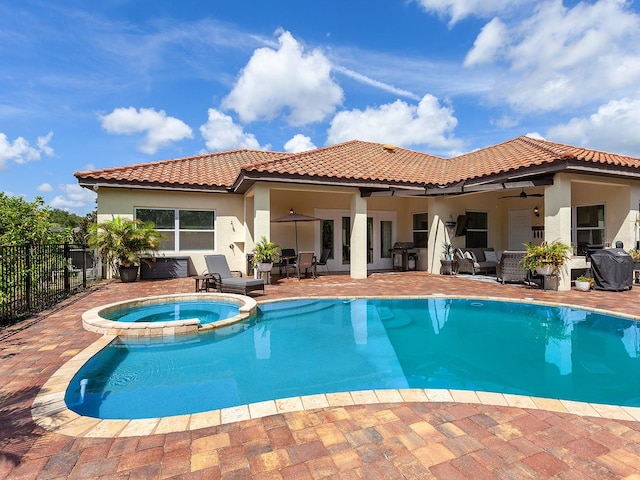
{"points": [[491, 256]]}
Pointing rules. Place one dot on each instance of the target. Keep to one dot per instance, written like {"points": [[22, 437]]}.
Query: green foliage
{"points": [[123, 242], [266, 252], [584, 278], [552, 254], [25, 222], [635, 254], [448, 248]]}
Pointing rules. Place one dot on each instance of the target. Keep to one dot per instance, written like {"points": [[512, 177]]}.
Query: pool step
{"points": [[297, 308]]}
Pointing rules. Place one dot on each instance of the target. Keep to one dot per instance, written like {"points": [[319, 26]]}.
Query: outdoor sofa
{"points": [[476, 260]]}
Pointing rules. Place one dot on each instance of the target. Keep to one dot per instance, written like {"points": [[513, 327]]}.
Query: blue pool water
{"points": [[320, 346], [206, 311]]}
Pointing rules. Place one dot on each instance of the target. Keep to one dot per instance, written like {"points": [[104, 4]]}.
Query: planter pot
{"points": [[583, 286], [544, 270], [265, 267], [128, 274]]}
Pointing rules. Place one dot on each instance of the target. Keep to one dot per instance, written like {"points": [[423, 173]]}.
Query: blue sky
{"points": [[87, 85]]}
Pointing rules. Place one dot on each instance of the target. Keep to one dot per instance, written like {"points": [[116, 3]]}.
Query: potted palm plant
{"points": [[266, 253], [448, 248], [546, 257], [122, 244]]}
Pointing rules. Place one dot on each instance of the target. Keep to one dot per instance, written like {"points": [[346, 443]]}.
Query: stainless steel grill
{"points": [[405, 257]]}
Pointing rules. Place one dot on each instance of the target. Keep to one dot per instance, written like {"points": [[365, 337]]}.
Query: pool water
{"points": [[206, 311], [307, 347]]}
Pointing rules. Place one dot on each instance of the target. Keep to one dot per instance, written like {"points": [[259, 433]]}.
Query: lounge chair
{"points": [[306, 261], [221, 278]]}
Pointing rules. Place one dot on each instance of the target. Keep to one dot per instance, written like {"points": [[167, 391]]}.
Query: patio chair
{"points": [[306, 261], [509, 269], [287, 260], [323, 259], [221, 278]]}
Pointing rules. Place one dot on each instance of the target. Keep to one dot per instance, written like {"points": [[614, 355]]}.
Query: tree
{"points": [[26, 222]]}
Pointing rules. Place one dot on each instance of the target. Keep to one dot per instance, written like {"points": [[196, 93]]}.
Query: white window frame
{"points": [[575, 228], [176, 226], [420, 230]]}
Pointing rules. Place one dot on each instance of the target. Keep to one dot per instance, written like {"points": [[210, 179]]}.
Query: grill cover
{"points": [[612, 269]]}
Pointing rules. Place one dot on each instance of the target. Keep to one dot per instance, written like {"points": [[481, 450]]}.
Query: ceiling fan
{"points": [[524, 194]]}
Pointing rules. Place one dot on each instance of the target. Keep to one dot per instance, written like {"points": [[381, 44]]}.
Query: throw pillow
{"points": [[491, 256]]}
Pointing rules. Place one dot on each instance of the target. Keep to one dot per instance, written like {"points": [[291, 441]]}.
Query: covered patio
{"points": [[377, 435]]}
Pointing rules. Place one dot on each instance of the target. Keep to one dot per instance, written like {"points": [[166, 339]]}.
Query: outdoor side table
{"points": [[448, 267], [202, 283]]}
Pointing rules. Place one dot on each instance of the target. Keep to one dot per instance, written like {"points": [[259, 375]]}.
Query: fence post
{"points": [[27, 279], [67, 270], [84, 266]]}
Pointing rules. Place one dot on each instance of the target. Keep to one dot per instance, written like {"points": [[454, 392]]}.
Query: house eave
{"points": [[97, 184]]}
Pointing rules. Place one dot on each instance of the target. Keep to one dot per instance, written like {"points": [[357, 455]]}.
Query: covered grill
{"points": [[405, 257], [612, 269]]}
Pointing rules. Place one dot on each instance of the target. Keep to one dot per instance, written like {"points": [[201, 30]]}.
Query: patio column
{"points": [[261, 214], [358, 239], [438, 233], [557, 220]]}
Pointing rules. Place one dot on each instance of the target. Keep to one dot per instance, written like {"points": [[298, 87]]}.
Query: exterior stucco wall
{"points": [[229, 228]]}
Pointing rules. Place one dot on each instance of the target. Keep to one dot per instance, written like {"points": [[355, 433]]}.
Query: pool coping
{"points": [[50, 411]]}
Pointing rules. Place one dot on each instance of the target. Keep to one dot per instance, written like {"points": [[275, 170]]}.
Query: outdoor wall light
{"points": [[536, 211], [291, 212]]}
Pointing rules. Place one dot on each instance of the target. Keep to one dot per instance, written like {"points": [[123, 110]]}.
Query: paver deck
{"points": [[450, 436]]}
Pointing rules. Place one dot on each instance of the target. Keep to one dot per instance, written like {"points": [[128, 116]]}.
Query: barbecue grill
{"points": [[405, 257]]}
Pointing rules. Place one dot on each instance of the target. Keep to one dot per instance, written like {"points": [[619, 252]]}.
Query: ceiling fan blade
{"points": [[535, 195]]}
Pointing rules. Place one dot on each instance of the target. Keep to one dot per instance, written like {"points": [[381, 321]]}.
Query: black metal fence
{"points": [[36, 277]]}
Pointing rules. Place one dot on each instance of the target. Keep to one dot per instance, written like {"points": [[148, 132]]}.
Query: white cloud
{"points": [[428, 124], [160, 130], [299, 143], [21, 151], [285, 81], [613, 127], [458, 9], [535, 135], [220, 133], [74, 197], [563, 57], [44, 187], [488, 43]]}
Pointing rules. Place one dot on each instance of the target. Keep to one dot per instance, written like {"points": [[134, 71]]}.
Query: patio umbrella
{"points": [[295, 218]]}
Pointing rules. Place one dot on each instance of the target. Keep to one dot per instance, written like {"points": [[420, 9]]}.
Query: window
{"points": [[326, 229], [589, 227], [184, 229], [420, 230], [386, 231], [477, 230]]}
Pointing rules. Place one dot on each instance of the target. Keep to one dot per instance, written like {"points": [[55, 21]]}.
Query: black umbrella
{"points": [[295, 218]]}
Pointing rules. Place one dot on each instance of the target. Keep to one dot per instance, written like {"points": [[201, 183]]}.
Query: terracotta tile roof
{"points": [[358, 160], [208, 170], [523, 152], [354, 161]]}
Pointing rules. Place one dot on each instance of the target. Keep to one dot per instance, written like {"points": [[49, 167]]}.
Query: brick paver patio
{"points": [[413, 440]]}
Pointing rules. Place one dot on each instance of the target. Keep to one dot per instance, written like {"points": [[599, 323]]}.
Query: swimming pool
{"points": [[321, 346]]}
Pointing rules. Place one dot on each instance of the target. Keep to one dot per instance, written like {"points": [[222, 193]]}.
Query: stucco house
{"points": [[371, 195]]}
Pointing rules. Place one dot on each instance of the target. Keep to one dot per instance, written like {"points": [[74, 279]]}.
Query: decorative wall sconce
{"points": [[291, 212], [536, 211]]}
